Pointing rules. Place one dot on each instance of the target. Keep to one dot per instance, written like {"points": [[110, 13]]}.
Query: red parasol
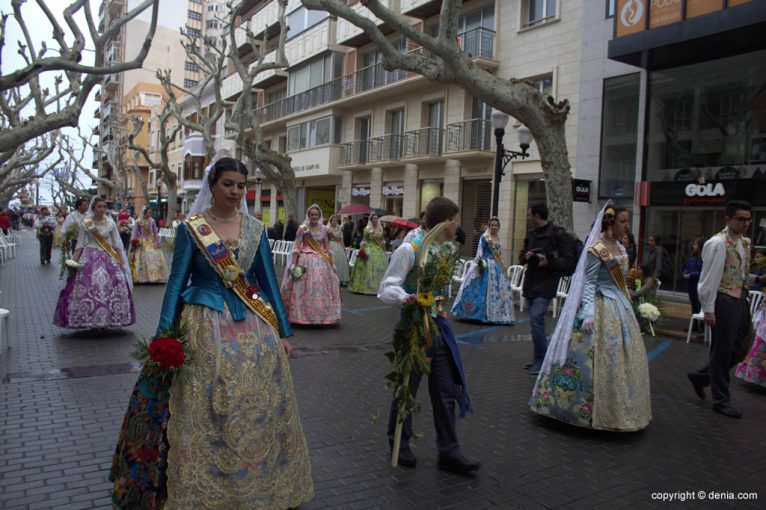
{"points": [[355, 209], [401, 222]]}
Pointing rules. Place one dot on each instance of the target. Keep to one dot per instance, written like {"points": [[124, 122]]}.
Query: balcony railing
{"points": [[386, 148], [479, 42], [364, 79], [423, 142], [470, 135], [355, 153]]}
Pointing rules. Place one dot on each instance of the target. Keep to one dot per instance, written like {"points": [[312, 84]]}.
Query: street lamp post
{"points": [[159, 204], [258, 182], [502, 156]]}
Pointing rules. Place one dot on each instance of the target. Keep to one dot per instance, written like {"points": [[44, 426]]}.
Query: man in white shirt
{"points": [[75, 218], [723, 291]]}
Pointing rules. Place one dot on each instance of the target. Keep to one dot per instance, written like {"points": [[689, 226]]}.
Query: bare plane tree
{"points": [[20, 166], [275, 166], [30, 109], [162, 166], [77, 157], [443, 61], [212, 62]]}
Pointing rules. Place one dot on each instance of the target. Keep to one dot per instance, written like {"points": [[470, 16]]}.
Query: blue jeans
{"points": [[538, 307]]}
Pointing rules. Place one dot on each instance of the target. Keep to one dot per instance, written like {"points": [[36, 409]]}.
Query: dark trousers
{"points": [[732, 323], [441, 388], [694, 298], [46, 245], [125, 238]]}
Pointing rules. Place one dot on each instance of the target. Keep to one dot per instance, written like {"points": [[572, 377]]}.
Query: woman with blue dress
{"points": [[595, 374], [485, 294], [225, 431]]}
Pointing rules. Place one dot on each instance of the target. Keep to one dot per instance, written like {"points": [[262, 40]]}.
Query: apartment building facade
{"points": [[357, 133], [134, 92]]}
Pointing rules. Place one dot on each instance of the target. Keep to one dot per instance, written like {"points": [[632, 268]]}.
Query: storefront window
{"points": [[708, 120], [619, 135]]}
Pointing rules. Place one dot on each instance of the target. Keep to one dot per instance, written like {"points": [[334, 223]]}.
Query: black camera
{"points": [[534, 260]]}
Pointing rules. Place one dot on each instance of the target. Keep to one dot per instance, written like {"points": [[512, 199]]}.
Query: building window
{"points": [[193, 32], [619, 136], [610, 6], [537, 12], [149, 99], [211, 24], [302, 19], [190, 84], [194, 16], [315, 73], [313, 133], [543, 84], [191, 66], [476, 32]]}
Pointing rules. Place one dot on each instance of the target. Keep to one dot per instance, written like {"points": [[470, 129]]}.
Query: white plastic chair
{"points": [[755, 297], [348, 251], [7, 246], [700, 316], [277, 250], [4, 328], [271, 244], [457, 275], [516, 275], [287, 249], [561, 294]]}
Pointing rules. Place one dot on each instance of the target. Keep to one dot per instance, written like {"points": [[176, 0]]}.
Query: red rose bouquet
{"points": [[361, 255], [163, 355], [135, 242]]}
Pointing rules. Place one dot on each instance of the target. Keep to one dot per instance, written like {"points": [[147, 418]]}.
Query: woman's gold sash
{"points": [[225, 265], [495, 253], [92, 229], [600, 250], [377, 241], [309, 238]]}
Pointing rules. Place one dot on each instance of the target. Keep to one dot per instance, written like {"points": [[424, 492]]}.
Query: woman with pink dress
{"points": [[310, 286], [753, 368]]}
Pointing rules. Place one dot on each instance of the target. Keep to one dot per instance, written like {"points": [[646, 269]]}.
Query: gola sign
{"points": [[705, 190]]}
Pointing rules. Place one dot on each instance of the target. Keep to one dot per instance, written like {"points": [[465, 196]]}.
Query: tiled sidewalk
{"points": [[63, 397]]}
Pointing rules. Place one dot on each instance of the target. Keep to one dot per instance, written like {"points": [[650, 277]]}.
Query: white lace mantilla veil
{"points": [[559, 346], [205, 196], [307, 220], [123, 255]]}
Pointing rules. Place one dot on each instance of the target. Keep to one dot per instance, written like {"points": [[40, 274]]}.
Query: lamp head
{"points": [[525, 136], [499, 119]]}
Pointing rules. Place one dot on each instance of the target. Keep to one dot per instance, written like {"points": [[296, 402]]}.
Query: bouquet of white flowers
{"points": [[297, 273], [649, 312]]}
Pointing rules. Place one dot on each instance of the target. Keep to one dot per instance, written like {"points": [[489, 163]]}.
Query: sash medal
{"points": [[225, 265]]}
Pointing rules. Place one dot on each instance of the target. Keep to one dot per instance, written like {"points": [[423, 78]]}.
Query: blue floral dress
{"points": [[485, 294], [604, 382]]}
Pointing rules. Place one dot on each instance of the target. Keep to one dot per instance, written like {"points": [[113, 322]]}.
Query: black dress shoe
{"points": [[727, 410], [698, 381], [407, 458], [459, 465]]}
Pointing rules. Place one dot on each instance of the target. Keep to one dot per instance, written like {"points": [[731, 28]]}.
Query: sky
{"points": [[41, 30]]}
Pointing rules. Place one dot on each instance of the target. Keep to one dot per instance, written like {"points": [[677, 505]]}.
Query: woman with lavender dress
{"points": [[98, 294], [310, 287], [147, 263]]}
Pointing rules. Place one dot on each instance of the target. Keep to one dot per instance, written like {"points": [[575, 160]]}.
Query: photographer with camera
{"points": [[549, 254]]}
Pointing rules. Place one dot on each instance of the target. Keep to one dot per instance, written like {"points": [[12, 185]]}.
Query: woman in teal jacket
{"points": [[228, 427]]}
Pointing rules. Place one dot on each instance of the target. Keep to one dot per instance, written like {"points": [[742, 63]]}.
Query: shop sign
{"points": [[707, 193], [581, 190], [631, 16], [360, 191], [664, 12], [306, 168]]}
